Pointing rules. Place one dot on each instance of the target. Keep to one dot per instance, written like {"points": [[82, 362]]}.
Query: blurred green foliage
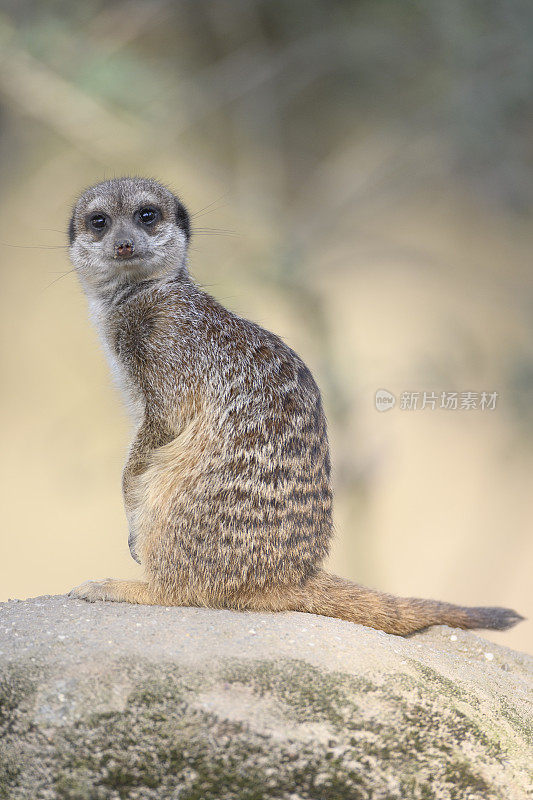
{"points": [[461, 70]]}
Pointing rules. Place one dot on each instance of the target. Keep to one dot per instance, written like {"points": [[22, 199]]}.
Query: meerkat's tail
{"points": [[332, 596]]}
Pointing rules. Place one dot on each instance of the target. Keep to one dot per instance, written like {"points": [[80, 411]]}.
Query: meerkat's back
{"points": [[242, 471]]}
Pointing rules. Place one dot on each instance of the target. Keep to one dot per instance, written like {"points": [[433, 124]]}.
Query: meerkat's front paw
{"points": [[93, 590]]}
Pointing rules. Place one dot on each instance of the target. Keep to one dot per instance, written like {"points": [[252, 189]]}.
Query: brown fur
{"points": [[227, 486]]}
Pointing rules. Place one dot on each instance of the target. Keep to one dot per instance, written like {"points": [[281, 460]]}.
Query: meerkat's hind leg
{"points": [[118, 592]]}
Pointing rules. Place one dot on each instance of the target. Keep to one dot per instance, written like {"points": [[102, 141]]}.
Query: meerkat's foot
{"points": [[116, 591]]}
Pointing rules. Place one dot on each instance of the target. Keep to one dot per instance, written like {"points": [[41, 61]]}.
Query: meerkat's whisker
{"points": [[209, 208], [212, 232], [35, 246], [63, 275]]}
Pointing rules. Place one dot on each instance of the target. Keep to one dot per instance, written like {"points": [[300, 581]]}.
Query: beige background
{"points": [[380, 272]]}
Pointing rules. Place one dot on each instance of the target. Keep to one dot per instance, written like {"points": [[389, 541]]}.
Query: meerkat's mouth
{"points": [[138, 260]]}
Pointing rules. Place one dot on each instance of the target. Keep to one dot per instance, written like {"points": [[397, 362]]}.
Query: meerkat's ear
{"points": [[182, 218], [71, 230]]}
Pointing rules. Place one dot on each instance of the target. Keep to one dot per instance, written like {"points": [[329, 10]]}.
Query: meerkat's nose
{"points": [[124, 249]]}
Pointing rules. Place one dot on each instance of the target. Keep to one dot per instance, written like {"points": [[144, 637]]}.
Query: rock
{"points": [[117, 701]]}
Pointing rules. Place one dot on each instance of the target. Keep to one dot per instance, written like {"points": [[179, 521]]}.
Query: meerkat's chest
{"points": [[127, 387]]}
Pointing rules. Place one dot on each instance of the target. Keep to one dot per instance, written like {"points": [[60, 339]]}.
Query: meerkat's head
{"points": [[127, 230]]}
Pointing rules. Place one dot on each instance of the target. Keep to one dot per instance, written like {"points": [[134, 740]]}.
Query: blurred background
{"points": [[360, 177]]}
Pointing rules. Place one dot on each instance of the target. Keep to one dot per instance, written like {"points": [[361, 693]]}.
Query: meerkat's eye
{"points": [[98, 221], [148, 215]]}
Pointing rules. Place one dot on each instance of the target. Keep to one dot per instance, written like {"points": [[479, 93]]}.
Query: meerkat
{"points": [[227, 485]]}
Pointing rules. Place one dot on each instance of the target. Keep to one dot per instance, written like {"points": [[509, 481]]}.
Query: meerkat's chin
{"points": [[132, 269], [131, 265]]}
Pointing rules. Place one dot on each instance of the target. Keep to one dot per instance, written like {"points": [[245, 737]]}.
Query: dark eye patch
{"points": [[182, 218], [71, 230]]}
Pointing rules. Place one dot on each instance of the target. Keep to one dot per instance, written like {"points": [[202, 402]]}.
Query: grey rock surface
{"points": [[118, 701]]}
